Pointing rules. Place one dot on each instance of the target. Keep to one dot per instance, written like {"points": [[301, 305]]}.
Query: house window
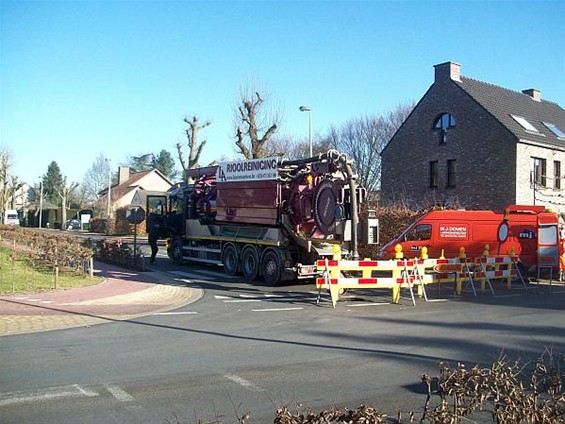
{"points": [[434, 174], [451, 181], [525, 124], [557, 175], [442, 124], [538, 172], [555, 130]]}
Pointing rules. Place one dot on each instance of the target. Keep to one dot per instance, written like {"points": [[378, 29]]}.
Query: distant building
{"points": [[476, 145], [122, 193]]}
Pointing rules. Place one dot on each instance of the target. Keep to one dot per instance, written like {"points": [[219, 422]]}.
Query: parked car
{"points": [[72, 224]]}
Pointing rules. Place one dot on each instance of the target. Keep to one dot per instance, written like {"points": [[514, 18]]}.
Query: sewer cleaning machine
{"points": [[266, 218]]}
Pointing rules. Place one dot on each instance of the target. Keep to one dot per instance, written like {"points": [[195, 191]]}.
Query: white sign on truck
{"points": [[248, 170]]}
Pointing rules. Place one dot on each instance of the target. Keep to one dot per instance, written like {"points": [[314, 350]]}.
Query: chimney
{"points": [[123, 174], [533, 93], [447, 71]]}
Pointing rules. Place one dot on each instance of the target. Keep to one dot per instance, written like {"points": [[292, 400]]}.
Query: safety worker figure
{"points": [[561, 260]]}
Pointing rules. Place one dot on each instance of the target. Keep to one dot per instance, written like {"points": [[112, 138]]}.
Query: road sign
{"points": [[135, 215]]}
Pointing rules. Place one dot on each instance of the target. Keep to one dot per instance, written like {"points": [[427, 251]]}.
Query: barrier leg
{"points": [[458, 286], [334, 292], [396, 294]]}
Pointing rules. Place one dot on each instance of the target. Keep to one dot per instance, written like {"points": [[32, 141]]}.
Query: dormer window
{"points": [[555, 130], [525, 124], [443, 123]]}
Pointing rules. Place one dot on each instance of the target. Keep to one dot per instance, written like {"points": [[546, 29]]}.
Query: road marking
{"points": [[43, 395], [119, 393], [438, 300], [242, 300], [203, 275], [243, 382], [360, 305], [217, 296], [276, 309], [177, 313], [216, 274], [249, 296], [47, 301]]}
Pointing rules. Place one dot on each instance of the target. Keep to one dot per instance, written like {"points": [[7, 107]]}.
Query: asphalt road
{"points": [[245, 347]]}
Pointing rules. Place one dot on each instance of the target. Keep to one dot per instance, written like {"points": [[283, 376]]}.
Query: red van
{"points": [[532, 231]]}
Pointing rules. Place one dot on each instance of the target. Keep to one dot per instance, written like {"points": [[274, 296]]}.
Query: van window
{"points": [[419, 232], [548, 234]]}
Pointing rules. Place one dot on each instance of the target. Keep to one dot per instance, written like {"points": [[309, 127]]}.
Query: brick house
{"points": [[475, 145], [129, 183], [130, 186]]}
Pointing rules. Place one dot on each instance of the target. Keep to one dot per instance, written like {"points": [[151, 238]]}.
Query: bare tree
{"points": [[64, 191], [9, 184], [95, 180], [363, 139], [5, 165], [194, 148], [295, 149], [256, 123]]}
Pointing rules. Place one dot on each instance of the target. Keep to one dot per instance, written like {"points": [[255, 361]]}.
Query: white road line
{"points": [[273, 295], [119, 393], [216, 274], [360, 305], [47, 301], [242, 300], [243, 382], [217, 296], [276, 309], [43, 395], [438, 300], [177, 313], [248, 296]]}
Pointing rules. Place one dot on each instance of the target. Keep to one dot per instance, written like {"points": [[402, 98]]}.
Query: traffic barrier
{"points": [[338, 275], [404, 274], [497, 268]]}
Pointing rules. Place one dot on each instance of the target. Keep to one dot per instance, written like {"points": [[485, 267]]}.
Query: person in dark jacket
{"points": [[154, 229]]}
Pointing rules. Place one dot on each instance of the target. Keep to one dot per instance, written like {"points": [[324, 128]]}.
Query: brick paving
{"points": [[122, 295]]}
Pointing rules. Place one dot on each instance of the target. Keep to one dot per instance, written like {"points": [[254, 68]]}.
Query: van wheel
{"points": [[230, 259], [250, 263]]}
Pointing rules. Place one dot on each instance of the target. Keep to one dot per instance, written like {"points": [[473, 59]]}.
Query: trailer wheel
{"points": [[250, 263], [229, 259], [271, 268]]}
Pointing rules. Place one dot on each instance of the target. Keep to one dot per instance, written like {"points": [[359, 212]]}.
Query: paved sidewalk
{"points": [[123, 295]]}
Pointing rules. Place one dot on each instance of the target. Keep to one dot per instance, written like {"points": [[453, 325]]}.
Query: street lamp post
{"points": [[109, 189], [309, 110], [40, 203]]}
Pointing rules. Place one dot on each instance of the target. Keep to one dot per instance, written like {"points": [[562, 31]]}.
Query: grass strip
{"points": [[19, 276]]}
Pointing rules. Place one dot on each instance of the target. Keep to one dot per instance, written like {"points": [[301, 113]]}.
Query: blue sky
{"points": [[83, 78]]}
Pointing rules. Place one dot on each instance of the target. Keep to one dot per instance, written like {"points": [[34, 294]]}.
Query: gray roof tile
{"points": [[501, 103]]}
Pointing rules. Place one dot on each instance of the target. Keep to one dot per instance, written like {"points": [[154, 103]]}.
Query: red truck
{"points": [[264, 218], [531, 232]]}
